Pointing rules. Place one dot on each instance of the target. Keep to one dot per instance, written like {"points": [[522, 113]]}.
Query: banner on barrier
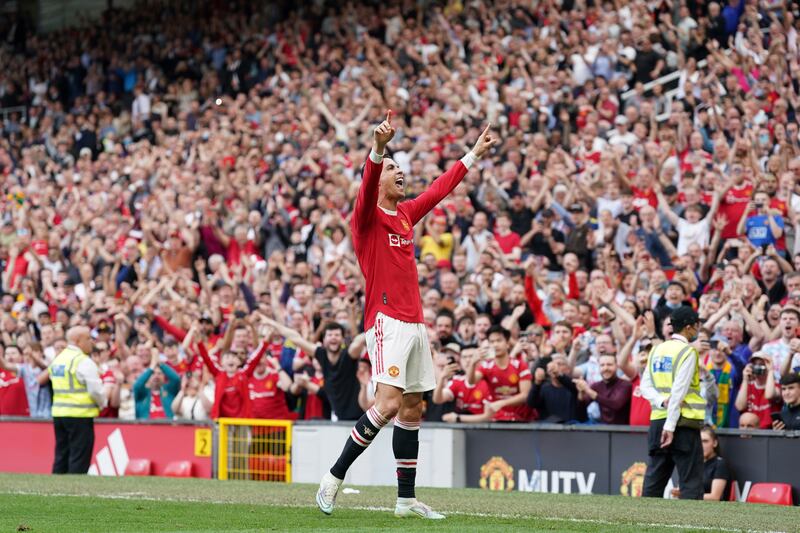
{"points": [[114, 445], [607, 462]]}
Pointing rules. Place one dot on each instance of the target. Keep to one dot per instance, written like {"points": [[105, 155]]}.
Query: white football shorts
{"points": [[400, 354]]}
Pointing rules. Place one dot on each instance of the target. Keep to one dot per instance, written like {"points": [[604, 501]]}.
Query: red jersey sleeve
{"points": [[212, 366], [367, 199], [524, 373], [255, 357], [170, 328], [441, 187], [535, 303]]}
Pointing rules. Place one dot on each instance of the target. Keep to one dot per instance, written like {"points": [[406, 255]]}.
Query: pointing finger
{"points": [[486, 131], [389, 116]]}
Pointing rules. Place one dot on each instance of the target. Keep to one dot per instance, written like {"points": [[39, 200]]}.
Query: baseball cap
{"points": [[621, 120], [682, 317], [452, 347]]}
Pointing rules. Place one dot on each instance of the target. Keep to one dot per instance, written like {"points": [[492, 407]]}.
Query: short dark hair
{"points": [[446, 313], [792, 310], [499, 329], [331, 327]]}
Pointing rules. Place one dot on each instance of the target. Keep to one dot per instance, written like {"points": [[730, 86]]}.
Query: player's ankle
{"points": [[406, 501]]}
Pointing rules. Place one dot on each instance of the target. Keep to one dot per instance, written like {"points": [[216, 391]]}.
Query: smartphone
{"points": [[713, 343], [776, 417]]}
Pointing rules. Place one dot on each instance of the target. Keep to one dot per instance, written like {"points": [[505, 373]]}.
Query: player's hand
{"points": [[384, 133], [666, 438], [485, 142]]}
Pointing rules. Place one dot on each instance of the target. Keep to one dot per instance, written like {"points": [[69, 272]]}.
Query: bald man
{"points": [[78, 396]]}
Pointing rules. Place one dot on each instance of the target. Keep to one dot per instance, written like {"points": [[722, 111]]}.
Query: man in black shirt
{"points": [[339, 366], [547, 241], [790, 414], [520, 214], [649, 65], [553, 394]]}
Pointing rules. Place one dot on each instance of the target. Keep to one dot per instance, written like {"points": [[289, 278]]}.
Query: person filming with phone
{"points": [[762, 224], [758, 394]]}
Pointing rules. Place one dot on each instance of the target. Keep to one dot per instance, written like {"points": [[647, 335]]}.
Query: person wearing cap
{"points": [[671, 383], [790, 414], [78, 397], [621, 134]]}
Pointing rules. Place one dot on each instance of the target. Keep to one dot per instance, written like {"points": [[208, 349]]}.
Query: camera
{"points": [[759, 370], [759, 205], [713, 343], [451, 361]]}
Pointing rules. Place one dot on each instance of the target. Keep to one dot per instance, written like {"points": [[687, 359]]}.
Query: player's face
{"points": [[393, 182], [499, 343]]}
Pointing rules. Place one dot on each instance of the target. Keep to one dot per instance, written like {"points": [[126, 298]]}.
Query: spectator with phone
{"points": [[155, 390], [452, 386], [762, 224], [757, 393], [789, 416], [553, 393]]}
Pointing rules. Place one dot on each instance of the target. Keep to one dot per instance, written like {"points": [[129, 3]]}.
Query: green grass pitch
{"points": [[67, 504]]}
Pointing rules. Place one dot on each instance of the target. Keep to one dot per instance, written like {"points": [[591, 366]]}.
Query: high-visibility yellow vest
{"points": [[71, 398], [663, 362]]}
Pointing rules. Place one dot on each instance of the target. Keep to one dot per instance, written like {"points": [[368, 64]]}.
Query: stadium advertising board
{"points": [[608, 462], [538, 461], [28, 447]]}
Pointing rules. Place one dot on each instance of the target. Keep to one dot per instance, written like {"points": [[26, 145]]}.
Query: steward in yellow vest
{"points": [[78, 396], [671, 383]]}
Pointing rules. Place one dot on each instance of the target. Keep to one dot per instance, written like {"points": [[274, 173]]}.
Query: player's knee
{"points": [[388, 407], [411, 408]]}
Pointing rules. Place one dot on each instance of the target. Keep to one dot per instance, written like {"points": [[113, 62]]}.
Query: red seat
{"points": [[771, 493], [139, 467], [268, 467], [178, 469]]}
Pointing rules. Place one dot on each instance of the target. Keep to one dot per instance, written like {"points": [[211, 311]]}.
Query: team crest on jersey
{"points": [[477, 395], [513, 378], [394, 371], [267, 385]]}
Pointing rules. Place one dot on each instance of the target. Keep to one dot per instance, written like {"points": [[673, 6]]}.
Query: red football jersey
{"points": [[469, 398], [13, 399], [266, 399], [384, 244], [640, 408], [504, 383], [315, 409], [109, 379], [733, 206], [507, 242]]}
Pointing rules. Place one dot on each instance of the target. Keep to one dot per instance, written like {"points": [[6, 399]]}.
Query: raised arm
{"points": [[291, 335], [367, 199], [444, 184]]}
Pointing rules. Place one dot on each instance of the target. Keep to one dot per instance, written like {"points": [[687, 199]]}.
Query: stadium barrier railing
{"points": [[254, 449]]}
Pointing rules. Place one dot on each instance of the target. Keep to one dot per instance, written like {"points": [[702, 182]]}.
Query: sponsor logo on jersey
{"points": [[394, 371], [398, 241]]}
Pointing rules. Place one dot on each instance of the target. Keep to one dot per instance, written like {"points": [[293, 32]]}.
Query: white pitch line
{"points": [[139, 496]]}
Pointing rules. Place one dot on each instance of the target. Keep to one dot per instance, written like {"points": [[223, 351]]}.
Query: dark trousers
{"points": [[685, 453], [74, 444]]}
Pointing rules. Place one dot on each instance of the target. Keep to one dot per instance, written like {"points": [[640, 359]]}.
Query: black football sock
{"points": [[365, 430], [405, 443]]}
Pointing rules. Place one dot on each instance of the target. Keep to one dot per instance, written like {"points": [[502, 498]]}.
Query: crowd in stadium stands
{"points": [[182, 179]]}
